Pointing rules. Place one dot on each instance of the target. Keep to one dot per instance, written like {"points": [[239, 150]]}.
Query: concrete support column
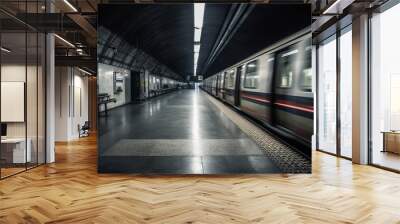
{"points": [[360, 90], [50, 99], [50, 92]]}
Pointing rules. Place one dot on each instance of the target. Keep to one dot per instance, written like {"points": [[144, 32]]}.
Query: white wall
{"points": [[71, 102], [61, 103], [80, 113], [9, 73], [12, 73], [33, 126], [105, 84]]}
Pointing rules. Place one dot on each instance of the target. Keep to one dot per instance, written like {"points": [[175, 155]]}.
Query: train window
{"points": [[286, 80], [251, 76], [286, 68], [226, 77], [306, 72], [306, 80], [231, 78], [285, 71]]}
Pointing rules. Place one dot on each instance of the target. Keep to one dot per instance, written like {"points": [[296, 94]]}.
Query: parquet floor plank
{"points": [[71, 191]]}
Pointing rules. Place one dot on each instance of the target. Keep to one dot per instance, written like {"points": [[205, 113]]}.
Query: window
{"points": [[231, 78], [385, 88], [286, 79], [226, 79], [22, 87], [335, 107], [327, 95], [306, 71], [306, 80], [346, 92], [286, 67], [251, 76]]}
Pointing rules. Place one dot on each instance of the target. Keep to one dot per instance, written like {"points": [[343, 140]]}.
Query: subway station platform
{"points": [[184, 132], [179, 133]]}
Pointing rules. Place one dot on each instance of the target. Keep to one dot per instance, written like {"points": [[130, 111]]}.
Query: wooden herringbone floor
{"points": [[71, 191]]}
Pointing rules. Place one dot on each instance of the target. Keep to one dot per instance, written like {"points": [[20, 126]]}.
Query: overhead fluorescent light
{"points": [[289, 53], [5, 50], [338, 6], [64, 40], [198, 15], [84, 71], [70, 5], [198, 20], [196, 48], [197, 35], [198, 26]]}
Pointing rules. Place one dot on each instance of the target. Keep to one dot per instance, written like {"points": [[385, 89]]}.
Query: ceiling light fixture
{"points": [[198, 26], [5, 50], [64, 40], [70, 5], [335, 7], [196, 48], [84, 71], [196, 57], [290, 53], [198, 15]]}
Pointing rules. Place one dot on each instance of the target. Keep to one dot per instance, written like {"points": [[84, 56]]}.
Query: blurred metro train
{"points": [[274, 87]]}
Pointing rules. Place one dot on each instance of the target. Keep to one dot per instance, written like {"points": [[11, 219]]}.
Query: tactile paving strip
{"points": [[286, 158]]}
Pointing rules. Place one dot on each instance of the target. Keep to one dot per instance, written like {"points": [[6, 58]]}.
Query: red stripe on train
{"points": [[295, 107], [256, 98], [283, 103]]}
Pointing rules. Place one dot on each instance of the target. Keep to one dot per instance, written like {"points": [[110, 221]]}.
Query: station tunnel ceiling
{"points": [[265, 25], [166, 31], [163, 31]]}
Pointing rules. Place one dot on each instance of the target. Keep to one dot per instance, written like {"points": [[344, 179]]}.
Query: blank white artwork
{"points": [[12, 101]]}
